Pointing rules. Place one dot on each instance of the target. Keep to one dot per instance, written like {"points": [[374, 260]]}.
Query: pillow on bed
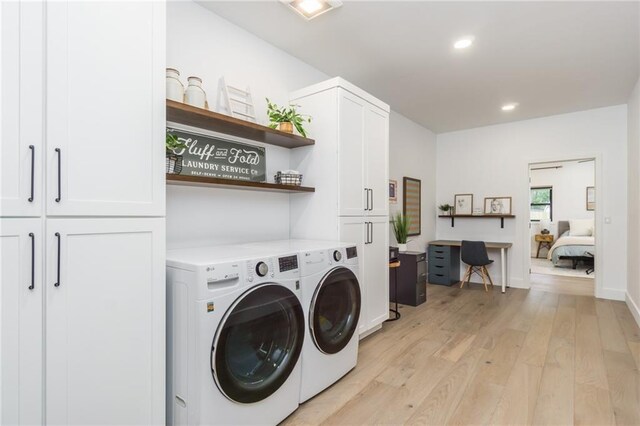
{"points": [[581, 228]]}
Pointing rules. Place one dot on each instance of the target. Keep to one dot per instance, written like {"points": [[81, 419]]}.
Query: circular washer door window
{"points": [[335, 310], [258, 343]]}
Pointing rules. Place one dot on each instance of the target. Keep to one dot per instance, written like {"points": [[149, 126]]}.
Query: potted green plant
{"points": [[286, 118], [174, 161], [401, 230], [446, 209]]}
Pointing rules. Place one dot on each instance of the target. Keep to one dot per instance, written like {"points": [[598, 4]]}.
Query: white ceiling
{"points": [[550, 57]]}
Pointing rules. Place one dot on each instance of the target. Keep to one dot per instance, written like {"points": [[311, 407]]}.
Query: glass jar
{"points": [[175, 89], [195, 95]]}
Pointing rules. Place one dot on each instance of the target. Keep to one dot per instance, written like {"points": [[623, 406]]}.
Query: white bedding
{"points": [[571, 241]]}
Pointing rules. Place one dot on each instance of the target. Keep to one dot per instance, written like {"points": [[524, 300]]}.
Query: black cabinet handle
{"points": [[366, 207], [366, 224], [57, 283], [33, 261], [33, 168], [371, 208], [59, 174], [371, 238]]}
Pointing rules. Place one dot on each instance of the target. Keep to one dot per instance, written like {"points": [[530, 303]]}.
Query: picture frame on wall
{"points": [[591, 198], [500, 206], [411, 203], [463, 204], [393, 191]]}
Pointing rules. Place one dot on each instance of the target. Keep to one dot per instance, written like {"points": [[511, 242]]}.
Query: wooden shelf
{"points": [[502, 217], [234, 184], [204, 119]]}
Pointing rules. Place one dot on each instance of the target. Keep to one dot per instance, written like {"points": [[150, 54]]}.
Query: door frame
{"points": [[599, 291]]}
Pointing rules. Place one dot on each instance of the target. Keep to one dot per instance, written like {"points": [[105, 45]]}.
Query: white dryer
{"points": [[235, 336], [331, 299]]}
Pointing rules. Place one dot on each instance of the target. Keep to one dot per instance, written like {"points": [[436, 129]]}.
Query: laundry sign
{"points": [[209, 156]]}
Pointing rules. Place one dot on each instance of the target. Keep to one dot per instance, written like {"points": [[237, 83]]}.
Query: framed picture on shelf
{"points": [[393, 191], [411, 204], [591, 198], [463, 204], [497, 205]]}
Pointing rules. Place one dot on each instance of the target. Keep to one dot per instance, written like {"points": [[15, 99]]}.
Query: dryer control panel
{"points": [[288, 263]]}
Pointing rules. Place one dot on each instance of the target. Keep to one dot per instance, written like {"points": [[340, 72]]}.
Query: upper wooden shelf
{"points": [[209, 120], [502, 217]]}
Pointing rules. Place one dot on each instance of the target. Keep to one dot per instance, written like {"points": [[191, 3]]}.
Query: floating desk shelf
{"points": [[178, 112], [502, 217], [234, 184]]}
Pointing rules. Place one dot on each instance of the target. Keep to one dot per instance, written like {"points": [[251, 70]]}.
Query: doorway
{"points": [[562, 226]]}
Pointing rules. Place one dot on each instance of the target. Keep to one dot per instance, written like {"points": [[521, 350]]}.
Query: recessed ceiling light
{"points": [[463, 43], [509, 107], [310, 9]]}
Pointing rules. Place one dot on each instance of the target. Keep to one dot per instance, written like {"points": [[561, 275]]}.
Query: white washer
{"points": [[235, 336], [331, 298]]}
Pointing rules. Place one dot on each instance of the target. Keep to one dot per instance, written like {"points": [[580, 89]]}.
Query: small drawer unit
{"points": [[444, 264], [412, 279]]}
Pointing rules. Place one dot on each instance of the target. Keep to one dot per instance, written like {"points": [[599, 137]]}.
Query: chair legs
{"points": [[480, 270]]}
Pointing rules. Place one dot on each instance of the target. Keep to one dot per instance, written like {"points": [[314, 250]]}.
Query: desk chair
{"points": [[474, 254]]}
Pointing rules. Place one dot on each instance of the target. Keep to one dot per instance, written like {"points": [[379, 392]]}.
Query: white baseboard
{"points": [[635, 311], [611, 294]]}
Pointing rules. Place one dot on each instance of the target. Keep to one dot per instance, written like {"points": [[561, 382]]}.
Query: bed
{"points": [[573, 248]]}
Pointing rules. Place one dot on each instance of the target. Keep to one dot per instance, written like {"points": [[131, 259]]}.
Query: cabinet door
{"points": [[21, 109], [21, 338], [354, 230], [105, 312], [353, 194], [105, 108], [376, 261], [376, 136]]}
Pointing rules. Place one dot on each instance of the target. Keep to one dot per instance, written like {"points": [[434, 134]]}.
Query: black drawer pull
{"points": [[59, 197], [439, 275], [33, 261], [57, 283], [33, 169], [440, 257]]}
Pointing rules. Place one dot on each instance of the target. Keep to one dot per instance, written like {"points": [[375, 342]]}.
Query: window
{"points": [[541, 204]]}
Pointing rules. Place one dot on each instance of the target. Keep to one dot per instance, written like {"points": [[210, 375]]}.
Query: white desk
{"points": [[503, 247]]}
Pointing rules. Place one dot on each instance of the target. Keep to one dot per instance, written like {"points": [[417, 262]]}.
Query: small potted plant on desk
{"points": [[446, 209], [286, 118], [174, 161], [401, 229]]}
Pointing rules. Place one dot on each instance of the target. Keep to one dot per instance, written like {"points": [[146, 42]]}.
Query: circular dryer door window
{"points": [[335, 310], [258, 343]]}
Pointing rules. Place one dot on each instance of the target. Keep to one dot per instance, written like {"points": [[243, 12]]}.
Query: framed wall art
{"points": [[393, 191], [591, 198], [497, 205], [463, 204], [411, 189]]}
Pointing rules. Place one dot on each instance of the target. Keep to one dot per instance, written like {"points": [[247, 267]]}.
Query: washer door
{"points": [[258, 343], [335, 309]]}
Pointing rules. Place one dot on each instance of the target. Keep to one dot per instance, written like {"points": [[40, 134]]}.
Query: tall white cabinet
{"points": [[349, 167], [82, 229]]}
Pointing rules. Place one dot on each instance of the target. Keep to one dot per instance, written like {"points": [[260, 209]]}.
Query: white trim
{"points": [[600, 291], [635, 310]]}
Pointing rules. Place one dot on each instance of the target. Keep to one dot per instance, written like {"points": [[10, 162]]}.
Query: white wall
{"points": [[569, 183], [633, 246], [412, 153], [493, 161], [201, 43]]}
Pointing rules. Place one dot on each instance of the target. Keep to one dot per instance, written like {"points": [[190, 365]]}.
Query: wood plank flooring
{"points": [[563, 285], [470, 357]]}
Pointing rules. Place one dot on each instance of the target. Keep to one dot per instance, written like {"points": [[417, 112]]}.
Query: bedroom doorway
{"points": [[562, 226]]}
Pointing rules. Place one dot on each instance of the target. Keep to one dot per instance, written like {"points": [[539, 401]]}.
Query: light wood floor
{"points": [[563, 285], [470, 357]]}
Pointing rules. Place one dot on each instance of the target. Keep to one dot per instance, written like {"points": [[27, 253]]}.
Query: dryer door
{"points": [[335, 309], [258, 343]]}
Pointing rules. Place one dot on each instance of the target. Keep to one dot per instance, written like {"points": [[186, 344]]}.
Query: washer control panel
{"points": [[337, 256], [288, 263], [262, 269], [352, 252]]}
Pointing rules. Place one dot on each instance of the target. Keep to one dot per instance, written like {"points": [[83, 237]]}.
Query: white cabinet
{"points": [[21, 362], [363, 157], [105, 108], [21, 108], [372, 238], [349, 167], [105, 313]]}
